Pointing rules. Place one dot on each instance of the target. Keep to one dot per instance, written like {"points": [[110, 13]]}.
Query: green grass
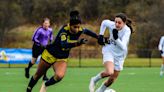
{"points": [[129, 62], [77, 80], [97, 62]]}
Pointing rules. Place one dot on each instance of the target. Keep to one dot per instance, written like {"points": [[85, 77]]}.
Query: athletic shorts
{"points": [[47, 57], [36, 50], [108, 57]]}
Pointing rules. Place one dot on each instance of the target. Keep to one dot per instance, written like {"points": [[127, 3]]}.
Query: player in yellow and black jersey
{"points": [[56, 54]]}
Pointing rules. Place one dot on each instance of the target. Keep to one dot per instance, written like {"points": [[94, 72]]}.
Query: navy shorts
{"points": [[37, 50]]}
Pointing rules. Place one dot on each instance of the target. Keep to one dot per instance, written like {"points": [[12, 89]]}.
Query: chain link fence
{"points": [[82, 57]]}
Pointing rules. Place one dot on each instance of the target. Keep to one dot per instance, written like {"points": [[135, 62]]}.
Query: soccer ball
{"points": [[109, 90]]}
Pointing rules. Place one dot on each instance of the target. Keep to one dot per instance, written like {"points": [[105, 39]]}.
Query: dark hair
{"points": [[126, 20], [74, 18], [44, 19]]}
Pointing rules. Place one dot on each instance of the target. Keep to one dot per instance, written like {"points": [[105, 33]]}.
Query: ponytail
{"points": [[129, 24]]}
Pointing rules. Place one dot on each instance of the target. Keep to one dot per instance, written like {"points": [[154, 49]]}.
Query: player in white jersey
{"points": [[115, 52], [161, 49]]}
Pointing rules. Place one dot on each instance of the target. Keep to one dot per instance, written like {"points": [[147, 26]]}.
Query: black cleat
{"points": [[45, 78], [28, 90], [27, 75]]}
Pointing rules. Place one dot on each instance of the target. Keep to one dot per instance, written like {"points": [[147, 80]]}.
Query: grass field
{"points": [[97, 62], [77, 80]]}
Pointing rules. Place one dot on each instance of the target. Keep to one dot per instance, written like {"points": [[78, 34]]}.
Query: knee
{"points": [[33, 61], [36, 77], [59, 77]]}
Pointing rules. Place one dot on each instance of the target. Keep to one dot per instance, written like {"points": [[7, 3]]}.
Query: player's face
{"points": [[119, 23], [46, 24], [75, 28]]}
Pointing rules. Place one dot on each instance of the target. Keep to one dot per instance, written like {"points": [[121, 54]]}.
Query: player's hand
{"points": [[101, 40], [82, 41], [115, 34], [161, 51], [107, 40]]}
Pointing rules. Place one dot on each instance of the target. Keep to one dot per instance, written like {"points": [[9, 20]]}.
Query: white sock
{"points": [[97, 77], [162, 67], [102, 88]]}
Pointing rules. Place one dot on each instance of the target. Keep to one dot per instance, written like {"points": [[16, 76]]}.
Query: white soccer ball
{"points": [[109, 90]]}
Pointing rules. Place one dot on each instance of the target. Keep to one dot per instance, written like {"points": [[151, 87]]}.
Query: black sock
{"points": [[31, 83], [30, 65], [51, 81], [45, 74]]}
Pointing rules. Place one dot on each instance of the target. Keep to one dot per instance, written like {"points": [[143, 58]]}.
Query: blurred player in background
{"points": [[41, 38], [161, 49], [56, 54], [114, 52]]}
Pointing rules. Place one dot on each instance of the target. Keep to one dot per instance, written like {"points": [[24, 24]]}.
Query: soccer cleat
{"points": [[109, 90], [27, 75], [28, 89], [45, 78], [98, 90], [92, 85], [161, 73], [43, 87]]}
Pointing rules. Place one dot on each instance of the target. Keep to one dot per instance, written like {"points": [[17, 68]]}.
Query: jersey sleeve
{"points": [[64, 43], [122, 43], [90, 33], [161, 43], [105, 24], [51, 36], [36, 36]]}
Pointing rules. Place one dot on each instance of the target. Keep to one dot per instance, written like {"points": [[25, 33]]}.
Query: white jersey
{"points": [[161, 44], [118, 48]]}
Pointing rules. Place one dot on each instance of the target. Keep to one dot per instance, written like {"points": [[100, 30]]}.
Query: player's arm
{"points": [[160, 44], [122, 43], [65, 44], [90, 33], [36, 36], [105, 24], [51, 37]]}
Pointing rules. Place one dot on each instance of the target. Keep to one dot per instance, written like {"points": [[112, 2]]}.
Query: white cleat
{"points": [[99, 90], [92, 85], [43, 88], [109, 90]]}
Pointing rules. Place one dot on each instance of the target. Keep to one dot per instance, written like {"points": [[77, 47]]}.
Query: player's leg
{"points": [[45, 76], [60, 69], [27, 69], [109, 70], [109, 82], [42, 68], [36, 51], [162, 67]]}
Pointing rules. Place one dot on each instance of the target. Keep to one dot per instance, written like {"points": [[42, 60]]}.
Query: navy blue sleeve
{"points": [[64, 43], [90, 33]]}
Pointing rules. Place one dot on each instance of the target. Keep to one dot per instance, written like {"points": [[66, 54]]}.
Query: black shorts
{"points": [[37, 50]]}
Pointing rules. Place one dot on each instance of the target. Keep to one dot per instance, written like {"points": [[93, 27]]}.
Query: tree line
{"points": [[147, 16]]}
